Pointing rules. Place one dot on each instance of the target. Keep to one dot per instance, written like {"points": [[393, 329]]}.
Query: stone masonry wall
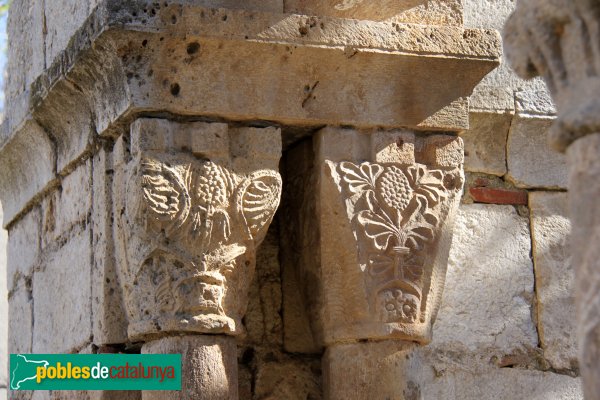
{"points": [[505, 327]]}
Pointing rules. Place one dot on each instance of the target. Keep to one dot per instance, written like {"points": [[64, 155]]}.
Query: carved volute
{"points": [[193, 201]]}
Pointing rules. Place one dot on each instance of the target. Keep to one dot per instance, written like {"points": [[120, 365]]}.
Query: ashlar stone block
{"points": [[487, 301], [485, 143], [532, 163], [62, 293]]}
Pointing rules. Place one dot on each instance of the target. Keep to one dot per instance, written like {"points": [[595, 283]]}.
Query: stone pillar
{"points": [[378, 228], [209, 367], [558, 41], [192, 203]]}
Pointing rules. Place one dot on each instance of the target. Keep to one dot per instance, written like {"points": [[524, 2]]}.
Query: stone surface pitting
{"points": [[193, 203]]}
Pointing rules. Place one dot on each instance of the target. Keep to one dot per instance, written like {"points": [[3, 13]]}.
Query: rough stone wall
{"points": [[505, 326]]}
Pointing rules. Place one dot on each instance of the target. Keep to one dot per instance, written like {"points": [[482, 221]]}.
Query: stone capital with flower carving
{"points": [[192, 203], [384, 206]]}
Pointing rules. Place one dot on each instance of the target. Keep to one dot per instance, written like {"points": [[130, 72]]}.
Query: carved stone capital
{"points": [[192, 203], [559, 41], [384, 208]]}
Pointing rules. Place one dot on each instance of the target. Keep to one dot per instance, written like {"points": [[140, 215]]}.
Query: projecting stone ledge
{"points": [[137, 58]]}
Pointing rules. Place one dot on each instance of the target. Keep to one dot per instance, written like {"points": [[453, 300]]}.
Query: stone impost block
{"points": [[531, 161], [147, 58], [378, 243], [62, 293], [192, 203], [555, 278]]}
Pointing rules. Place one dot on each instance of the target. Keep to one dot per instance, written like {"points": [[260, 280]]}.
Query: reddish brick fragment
{"points": [[498, 196]]}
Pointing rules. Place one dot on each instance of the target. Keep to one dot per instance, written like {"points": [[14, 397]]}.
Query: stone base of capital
{"points": [[208, 367], [371, 370]]}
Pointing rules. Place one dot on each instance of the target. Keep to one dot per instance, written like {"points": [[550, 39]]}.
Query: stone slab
{"points": [[487, 301], [531, 161], [62, 293], [485, 143], [555, 278]]}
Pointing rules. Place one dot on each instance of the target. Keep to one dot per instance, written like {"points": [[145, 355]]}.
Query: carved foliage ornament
{"points": [[397, 214], [189, 228]]}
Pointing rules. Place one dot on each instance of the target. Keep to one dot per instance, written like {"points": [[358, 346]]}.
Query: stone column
{"points": [[192, 203], [558, 41], [378, 229]]}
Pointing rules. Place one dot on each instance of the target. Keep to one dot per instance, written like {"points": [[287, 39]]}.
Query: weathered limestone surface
{"points": [[505, 383], [208, 365], [63, 283], [488, 296], [25, 234], [485, 143], [555, 278], [531, 161]]}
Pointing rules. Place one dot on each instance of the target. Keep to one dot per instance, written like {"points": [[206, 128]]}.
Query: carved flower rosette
{"points": [[188, 229], [400, 217]]}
